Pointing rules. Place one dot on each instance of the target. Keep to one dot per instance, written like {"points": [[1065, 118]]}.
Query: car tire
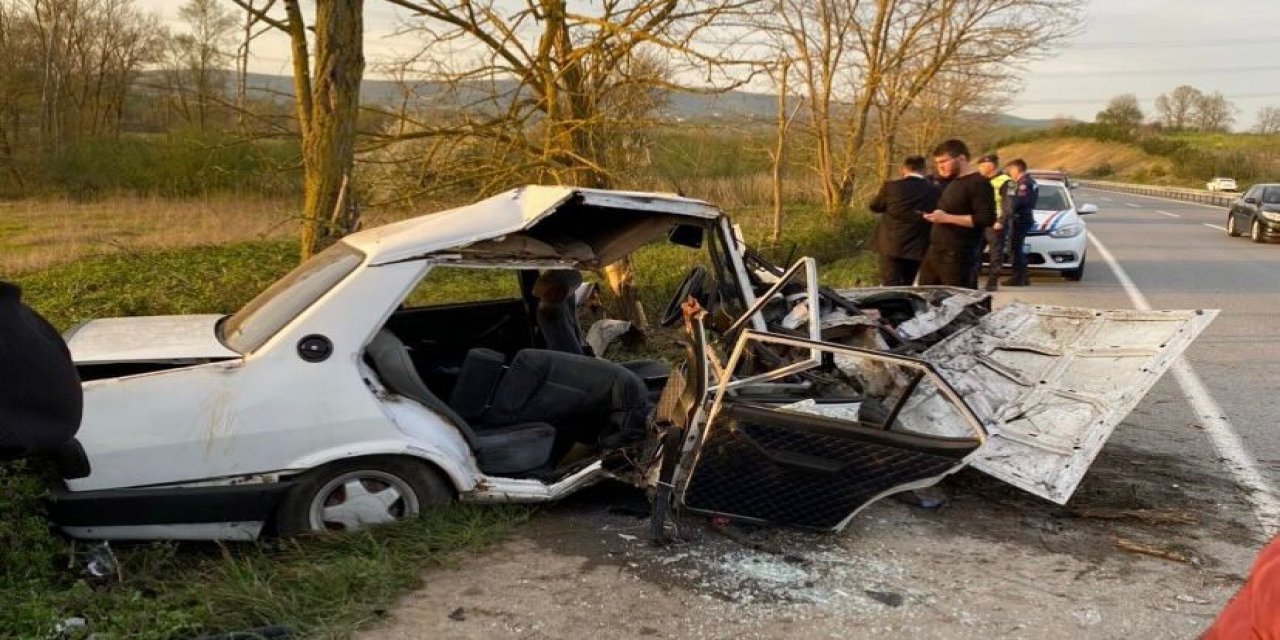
{"points": [[1255, 232], [1076, 274], [349, 495], [1232, 230]]}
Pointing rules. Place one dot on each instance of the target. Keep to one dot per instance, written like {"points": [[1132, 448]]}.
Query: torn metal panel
{"points": [[1051, 383]]}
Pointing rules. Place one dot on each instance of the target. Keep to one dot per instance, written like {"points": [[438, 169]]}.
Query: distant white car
{"points": [[1222, 184]]}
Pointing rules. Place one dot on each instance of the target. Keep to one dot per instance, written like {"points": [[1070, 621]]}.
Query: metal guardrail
{"points": [[1173, 193]]}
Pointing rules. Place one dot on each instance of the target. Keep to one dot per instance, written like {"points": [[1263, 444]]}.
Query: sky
{"points": [[1144, 47]]}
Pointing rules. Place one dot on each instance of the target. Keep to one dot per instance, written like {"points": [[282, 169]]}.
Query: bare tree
{"points": [[1177, 108], [1214, 112], [251, 28], [327, 101], [558, 95], [859, 60], [88, 53], [202, 53], [778, 156], [1268, 121]]}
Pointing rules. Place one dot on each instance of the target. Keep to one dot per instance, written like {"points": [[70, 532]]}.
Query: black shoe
{"points": [[1016, 282], [992, 286]]}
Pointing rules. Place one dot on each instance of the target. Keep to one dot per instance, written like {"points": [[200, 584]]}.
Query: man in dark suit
{"points": [[901, 235]]}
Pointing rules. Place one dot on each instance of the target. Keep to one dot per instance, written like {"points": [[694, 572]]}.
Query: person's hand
{"points": [[937, 216], [997, 226]]}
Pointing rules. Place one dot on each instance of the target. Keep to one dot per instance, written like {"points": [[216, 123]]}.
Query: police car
{"points": [[1057, 240]]}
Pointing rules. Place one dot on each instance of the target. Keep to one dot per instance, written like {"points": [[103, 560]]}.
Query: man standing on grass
{"points": [[966, 207], [901, 235]]}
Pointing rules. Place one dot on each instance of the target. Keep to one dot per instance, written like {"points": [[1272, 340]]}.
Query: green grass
{"points": [[326, 586]]}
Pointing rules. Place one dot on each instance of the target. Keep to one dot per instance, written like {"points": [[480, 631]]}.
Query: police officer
{"points": [[996, 237], [1023, 192]]}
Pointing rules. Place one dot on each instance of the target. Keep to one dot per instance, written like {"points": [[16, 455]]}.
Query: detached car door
{"points": [[1050, 384], [820, 433]]}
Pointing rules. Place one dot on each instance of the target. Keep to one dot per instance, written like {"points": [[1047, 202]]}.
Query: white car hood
{"points": [[147, 339]]}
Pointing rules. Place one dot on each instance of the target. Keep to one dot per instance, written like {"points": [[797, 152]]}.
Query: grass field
{"points": [[138, 256]]}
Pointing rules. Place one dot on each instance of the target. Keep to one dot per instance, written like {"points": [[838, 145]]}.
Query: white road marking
{"points": [[1136, 206], [1214, 226], [1231, 449], [1105, 199], [1219, 207], [1166, 213]]}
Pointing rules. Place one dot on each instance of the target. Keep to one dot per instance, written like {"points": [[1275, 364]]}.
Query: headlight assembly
{"points": [[1273, 216], [1067, 231]]}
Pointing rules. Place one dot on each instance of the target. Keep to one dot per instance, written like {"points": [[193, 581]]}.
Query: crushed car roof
{"points": [[507, 212]]}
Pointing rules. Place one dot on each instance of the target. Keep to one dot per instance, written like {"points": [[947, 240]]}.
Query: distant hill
{"points": [[730, 105]]}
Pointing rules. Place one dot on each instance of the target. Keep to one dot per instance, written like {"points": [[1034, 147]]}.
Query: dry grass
{"points": [[1079, 155], [39, 233], [35, 234]]}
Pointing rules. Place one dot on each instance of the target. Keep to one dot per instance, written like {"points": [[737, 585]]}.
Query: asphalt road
{"points": [[1155, 540]]}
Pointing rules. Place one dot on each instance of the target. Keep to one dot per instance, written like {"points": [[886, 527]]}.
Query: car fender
{"points": [[461, 472]]}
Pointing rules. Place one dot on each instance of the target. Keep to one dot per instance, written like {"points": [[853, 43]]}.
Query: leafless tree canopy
{"points": [[68, 66], [1268, 120], [548, 92], [864, 65]]}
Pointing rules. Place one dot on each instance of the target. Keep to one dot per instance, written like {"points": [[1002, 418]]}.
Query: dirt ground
{"points": [[991, 562]]}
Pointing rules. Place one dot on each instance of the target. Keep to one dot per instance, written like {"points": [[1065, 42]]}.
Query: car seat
{"points": [[509, 449]]}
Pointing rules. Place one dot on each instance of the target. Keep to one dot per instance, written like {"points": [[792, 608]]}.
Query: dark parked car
{"points": [[1257, 211]]}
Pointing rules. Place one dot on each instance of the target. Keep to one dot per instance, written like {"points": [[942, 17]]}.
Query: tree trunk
{"points": [[328, 112], [779, 150]]}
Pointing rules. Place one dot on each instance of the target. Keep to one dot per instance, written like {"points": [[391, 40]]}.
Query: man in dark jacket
{"points": [[1023, 193], [902, 235], [966, 207], [40, 397]]}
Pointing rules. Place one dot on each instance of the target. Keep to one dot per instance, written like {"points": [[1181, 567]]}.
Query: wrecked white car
{"points": [[335, 400]]}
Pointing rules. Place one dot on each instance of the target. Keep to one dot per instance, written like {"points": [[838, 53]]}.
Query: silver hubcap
{"points": [[362, 498], [1231, 224], [1256, 229]]}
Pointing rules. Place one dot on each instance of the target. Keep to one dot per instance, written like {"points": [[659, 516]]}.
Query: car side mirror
{"points": [[1087, 209], [1251, 201]]}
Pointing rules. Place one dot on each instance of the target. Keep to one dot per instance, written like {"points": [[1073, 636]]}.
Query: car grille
{"points": [[739, 475]]}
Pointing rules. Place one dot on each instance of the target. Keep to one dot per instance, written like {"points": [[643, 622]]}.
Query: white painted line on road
{"points": [[1136, 206], [1105, 199], [1214, 226], [1166, 213], [1231, 449]]}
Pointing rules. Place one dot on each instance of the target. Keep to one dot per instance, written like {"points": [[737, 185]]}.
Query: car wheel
{"points": [[1255, 231], [349, 495], [1232, 230], [1077, 273]]}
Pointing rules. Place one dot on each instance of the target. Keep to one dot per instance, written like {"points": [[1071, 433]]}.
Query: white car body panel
{"points": [[147, 339], [1051, 383]]}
